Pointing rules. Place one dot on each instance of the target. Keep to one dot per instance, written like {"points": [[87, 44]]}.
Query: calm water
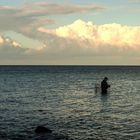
{"points": [[64, 100]]}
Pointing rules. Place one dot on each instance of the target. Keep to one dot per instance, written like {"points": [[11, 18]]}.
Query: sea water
{"points": [[63, 99]]}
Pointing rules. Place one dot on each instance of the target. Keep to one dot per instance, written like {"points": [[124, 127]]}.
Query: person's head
{"points": [[106, 78]]}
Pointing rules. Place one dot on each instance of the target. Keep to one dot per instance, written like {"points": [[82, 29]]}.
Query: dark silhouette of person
{"points": [[104, 86]]}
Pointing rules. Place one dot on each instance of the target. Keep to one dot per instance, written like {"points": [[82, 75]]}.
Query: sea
{"points": [[65, 100]]}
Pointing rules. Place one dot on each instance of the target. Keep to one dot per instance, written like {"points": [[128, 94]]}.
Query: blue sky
{"points": [[21, 20]]}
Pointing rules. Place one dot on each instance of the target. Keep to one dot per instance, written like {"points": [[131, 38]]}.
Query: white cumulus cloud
{"points": [[107, 39]]}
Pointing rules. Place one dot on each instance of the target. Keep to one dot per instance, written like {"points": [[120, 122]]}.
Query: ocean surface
{"points": [[63, 99]]}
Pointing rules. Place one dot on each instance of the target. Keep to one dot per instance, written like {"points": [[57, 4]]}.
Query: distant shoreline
{"points": [[76, 65]]}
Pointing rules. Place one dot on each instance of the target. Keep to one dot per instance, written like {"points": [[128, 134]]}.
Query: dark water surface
{"points": [[63, 98]]}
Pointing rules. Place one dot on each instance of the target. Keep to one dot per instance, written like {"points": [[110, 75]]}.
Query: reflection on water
{"points": [[104, 98], [64, 99]]}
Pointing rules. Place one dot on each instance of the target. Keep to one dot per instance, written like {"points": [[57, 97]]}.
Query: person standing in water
{"points": [[104, 86]]}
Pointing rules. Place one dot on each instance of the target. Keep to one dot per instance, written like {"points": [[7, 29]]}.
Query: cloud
{"points": [[11, 50], [105, 39], [5, 41], [42, 8], [29, 17]]}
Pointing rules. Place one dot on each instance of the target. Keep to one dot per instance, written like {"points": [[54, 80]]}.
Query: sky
{"points": [[69, 32]]}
